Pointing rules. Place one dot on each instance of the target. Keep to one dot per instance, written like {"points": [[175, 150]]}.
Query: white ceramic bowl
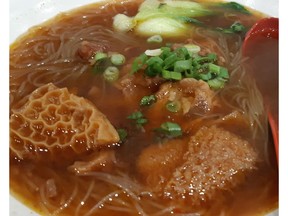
{"points": [[25, 14]]}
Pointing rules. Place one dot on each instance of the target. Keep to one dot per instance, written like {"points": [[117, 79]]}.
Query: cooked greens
{"points": [[165, 18]]}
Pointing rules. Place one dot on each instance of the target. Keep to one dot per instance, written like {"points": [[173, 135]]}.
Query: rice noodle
{"points": [[67, 202], [100, 204], [87, 195]]}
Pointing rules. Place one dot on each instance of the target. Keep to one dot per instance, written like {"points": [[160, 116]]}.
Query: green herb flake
{"points": [[238, 27], [135, 115], [236, 7], [148, 100], [155, 39], [170, 129], [139, 62], [175, 65], [122, 134], [138, 118], [173, 106]]}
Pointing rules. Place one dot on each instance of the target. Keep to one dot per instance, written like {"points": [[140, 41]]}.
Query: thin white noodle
{"points": [[67, 202], [164, 211], [32, 185], [100, 204], [87, 195], [126, 185], [119, 209], [44, 199], [122, 182]]}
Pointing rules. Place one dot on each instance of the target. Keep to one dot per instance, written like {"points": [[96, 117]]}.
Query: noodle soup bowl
{"points": [[25, 14]]}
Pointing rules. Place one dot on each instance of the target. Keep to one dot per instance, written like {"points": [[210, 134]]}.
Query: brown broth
{"points": [[257, 196]]}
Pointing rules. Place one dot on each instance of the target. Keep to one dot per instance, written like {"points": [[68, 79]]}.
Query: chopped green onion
{"points": [[170, 75], [135, 115], [101, 65], [237, 27], [212, 57], [224, 73], [139, 62], [190, 74], [166, 51], [182, 53], [173, 106], [192, 49], [205, 77], [139, 118], [111, 74], [216, 83], [141, 121], [155, 39], [117, 59], [154, 60], [214, 68], [182, 65], [154, 52], [122, 134], [99, 56], [148, 100], [171, 129], [153, 70], [170, 60]]}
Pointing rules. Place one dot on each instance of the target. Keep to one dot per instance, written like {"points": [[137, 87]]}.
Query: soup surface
{"points": [[109, 119]]}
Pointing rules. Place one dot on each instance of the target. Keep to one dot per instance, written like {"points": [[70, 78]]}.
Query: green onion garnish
{"points": [[183, 62], [148, 100], [171, 75], [139, 118], [173, 106], [100, 55], [236, 27], [111, 74], [117, 59], [182, 65], [139, 62], [122, 134], [155, 39], [170, 129]]}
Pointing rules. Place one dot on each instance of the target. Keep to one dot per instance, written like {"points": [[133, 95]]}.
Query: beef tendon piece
{"points": [[197, 169], [53, 125], [195, 96], [216, 161], [87, 49], [102, 160], [157, 162]]}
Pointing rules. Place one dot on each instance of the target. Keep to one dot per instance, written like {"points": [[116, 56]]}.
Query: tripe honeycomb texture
{"points": [[54, 125]]}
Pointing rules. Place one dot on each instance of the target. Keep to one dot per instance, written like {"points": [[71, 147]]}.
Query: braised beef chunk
{"points": [[195, 96], [88, 49], [216, 161], [157, 162]]}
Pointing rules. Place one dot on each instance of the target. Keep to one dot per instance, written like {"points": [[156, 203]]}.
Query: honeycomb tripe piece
{"points": [[54, 124]]}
